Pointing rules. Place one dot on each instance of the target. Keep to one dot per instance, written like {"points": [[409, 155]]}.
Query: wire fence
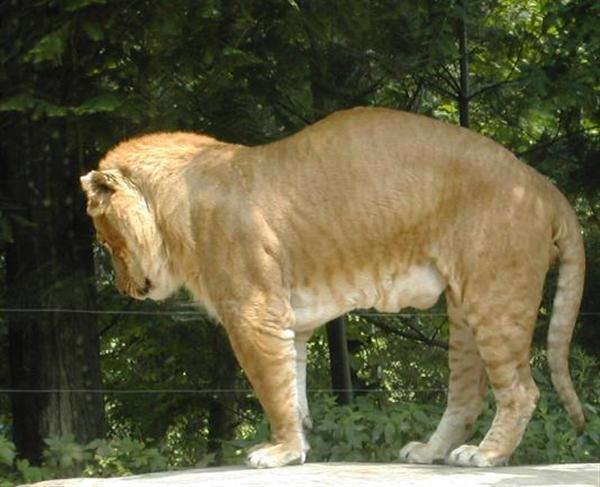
{"points": [[213, 392], [202, 313], [102, 312]]}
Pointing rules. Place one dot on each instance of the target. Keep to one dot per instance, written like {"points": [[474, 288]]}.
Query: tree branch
{"points": [[374, 86], [449, 78], [416, 335], [116, 318], [555, 140], [507, 79], [291, 111], [494, 86], [413, 98], [442, 90]]}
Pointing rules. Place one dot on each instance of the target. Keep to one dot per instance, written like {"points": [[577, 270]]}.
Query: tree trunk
{"points": [[59, 358], [50, 265], [339, 358], [464, 94]]}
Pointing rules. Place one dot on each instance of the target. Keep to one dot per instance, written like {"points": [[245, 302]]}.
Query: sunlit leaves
{"points": [[40, 108], [94, 30], [98, 104], [50, 47], [7, 452], [74, 5]]}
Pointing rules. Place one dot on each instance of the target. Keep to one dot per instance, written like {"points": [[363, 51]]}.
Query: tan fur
{"points": [[367, 208]]}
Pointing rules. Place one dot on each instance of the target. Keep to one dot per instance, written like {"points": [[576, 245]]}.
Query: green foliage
{"points": [[63, 457], [123, 456], [174, 351], [7, 452], [101, 103], [550, 436], [370, 430], [26, 473], [50, 47]]}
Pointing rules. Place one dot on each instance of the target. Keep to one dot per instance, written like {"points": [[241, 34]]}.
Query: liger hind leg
{"points": [[466, 394], [503, 342]]}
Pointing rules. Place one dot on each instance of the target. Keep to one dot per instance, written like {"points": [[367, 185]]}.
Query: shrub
{"points": [[63, 457]]}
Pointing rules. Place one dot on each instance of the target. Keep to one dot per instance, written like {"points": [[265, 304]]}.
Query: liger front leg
{"points": [[265, 349], [300, 343]]}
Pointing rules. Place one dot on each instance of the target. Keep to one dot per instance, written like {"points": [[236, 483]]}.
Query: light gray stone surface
{"points": [[356, 474]]}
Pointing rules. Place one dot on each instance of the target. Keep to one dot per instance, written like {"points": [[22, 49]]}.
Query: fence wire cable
{"points": [[365, 314], [196, 391]]}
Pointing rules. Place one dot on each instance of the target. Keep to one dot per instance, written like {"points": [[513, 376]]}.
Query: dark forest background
{"points": [[93, 383]]}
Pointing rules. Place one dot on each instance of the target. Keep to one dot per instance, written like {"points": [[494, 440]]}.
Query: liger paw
{"points": [[417, 452], [473, 456], [267, 455]]}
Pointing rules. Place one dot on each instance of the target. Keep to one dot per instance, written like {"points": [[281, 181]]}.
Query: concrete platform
{"points": [[356, 474]]}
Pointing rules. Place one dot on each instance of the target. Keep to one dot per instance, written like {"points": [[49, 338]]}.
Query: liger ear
{"points": [[98, 182], [98, 187]]}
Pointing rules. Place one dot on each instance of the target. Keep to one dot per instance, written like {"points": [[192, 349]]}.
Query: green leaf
{"points": [[206, 460], [421, 417], [17, 103], [389, 432], [210, 10], [26, 103], [94, 30], [6, 236], [7, 452], [98, 104], [237, 57], [101, 447], [50, 47], [30, 474], [74, 5], [52, 110]]}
